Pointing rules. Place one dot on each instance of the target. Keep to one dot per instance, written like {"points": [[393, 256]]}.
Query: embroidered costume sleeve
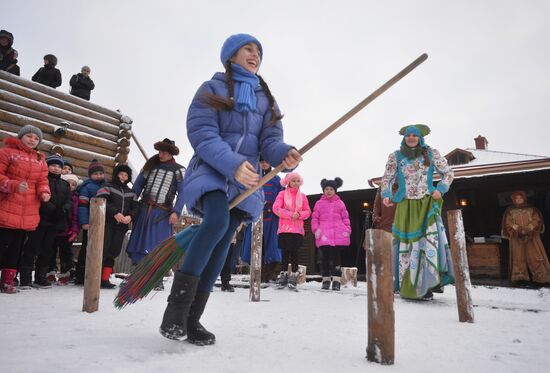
{"points": [[443, 168], [389, 176]]}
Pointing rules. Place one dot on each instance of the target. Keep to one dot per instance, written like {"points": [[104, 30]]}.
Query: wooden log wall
{"points": [[74, 128]]}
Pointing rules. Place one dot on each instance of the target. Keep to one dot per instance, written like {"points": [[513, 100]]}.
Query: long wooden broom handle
{"points": [[333, 127]]}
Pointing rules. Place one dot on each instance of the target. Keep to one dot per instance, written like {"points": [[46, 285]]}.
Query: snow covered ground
{"points": [[308, 331]]}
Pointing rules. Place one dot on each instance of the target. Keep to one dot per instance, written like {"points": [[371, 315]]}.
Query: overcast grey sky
{"points": [[487, 72]]}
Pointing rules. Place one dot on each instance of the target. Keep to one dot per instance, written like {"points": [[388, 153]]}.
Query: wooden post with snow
{"points": [[256, 260], [381, 319], [461, 269], [94, 255]]}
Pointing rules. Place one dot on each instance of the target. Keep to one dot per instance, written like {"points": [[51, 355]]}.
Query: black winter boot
{"points": [[40, 279], [326, 283], [196, 333], [25, 277], [174, 322]]}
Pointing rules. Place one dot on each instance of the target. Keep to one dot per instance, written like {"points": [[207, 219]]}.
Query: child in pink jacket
{"points": [[292, 208], [331, 226]]}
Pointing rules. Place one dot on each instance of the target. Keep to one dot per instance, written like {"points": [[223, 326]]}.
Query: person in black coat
{"points": [[8, 55], [53, 220], [48, 75], [122, 208], [81, 84]]}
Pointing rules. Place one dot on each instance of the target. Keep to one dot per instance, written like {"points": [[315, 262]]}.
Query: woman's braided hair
{"points": [[223, 103]]}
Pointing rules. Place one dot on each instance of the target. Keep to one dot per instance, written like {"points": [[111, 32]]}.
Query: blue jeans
{"points": [[207, 252]]}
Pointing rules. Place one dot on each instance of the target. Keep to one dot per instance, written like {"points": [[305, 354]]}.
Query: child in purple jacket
{"points": [[331, 226]]}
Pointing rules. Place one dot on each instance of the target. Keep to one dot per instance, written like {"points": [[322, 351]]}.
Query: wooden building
{"points": [[74, 128], [484, 181]]}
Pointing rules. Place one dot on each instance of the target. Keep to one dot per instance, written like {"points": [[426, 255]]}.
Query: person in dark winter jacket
{"points": [[64, 241], [87, 191], [48, 75], [8, 55], [232, 118], [53, 220], [122, 208], [81, 84], [23, 185]]}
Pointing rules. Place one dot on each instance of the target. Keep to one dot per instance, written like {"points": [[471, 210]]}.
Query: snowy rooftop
{"points": [[483, 157]]}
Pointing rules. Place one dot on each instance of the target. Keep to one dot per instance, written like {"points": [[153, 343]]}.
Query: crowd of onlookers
{"points": [[81, 83]]}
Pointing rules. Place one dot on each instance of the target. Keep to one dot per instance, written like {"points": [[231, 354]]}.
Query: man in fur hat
{"points": [[48, 75], [158, 184]]}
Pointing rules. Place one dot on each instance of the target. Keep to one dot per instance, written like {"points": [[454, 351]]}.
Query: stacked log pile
{"points": [[74, 128]]}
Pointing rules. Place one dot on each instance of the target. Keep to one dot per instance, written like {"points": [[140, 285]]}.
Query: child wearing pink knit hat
{"points": [[292, 208]]}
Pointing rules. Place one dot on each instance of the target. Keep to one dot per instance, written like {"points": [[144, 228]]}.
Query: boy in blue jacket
{"points": [[87, 191]]}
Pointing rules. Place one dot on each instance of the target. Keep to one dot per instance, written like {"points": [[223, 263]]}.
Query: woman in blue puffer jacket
{"points": [[232, 119]]}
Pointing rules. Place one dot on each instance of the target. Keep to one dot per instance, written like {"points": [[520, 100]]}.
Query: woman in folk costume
{"points": [[421, 251], [292, 208], [158, 184], [232, 119], [523, 224]]}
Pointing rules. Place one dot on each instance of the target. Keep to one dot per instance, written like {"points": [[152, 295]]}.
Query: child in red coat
{"points": [[23, 184]]}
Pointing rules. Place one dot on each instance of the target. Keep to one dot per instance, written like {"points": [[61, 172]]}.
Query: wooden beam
{"points": [[381, 316], [256, 259], [61, 112], [460, 261], [51, 100], [94, 255], [59, 140], [60, 95], [46, 127], [32, 113]]}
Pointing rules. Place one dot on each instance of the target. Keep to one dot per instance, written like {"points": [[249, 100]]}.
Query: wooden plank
{"points": [[256, 260], [94, 255], [100, 110], [31, 113], [48, 107], [71, 138], [381, 316], [463, 285]]}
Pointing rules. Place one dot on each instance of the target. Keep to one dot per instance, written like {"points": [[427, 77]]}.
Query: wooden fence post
{"points": [[381, 318], [256, 260], [460, 263], [94, 255]]}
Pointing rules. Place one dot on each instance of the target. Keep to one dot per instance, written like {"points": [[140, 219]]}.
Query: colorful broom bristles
{"points": [[151, 270]]}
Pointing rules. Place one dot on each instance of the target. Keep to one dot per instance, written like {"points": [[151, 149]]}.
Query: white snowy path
{"points": [[310, 331]]}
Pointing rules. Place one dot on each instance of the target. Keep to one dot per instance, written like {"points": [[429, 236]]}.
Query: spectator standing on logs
{"points": [[81, 84], [23, 185], [8, 55], [48, 75], [421, 250]]}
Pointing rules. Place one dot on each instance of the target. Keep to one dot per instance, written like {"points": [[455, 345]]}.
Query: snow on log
{"points": [[460, 260], [256, 260]]}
